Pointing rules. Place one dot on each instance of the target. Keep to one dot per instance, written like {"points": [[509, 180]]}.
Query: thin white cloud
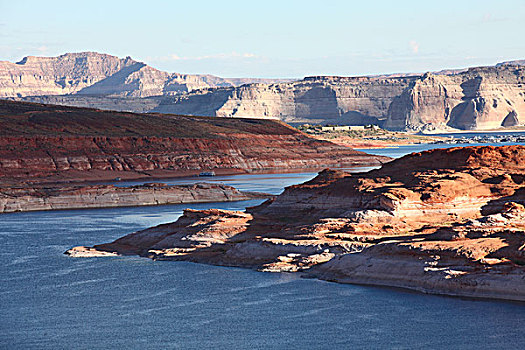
{"points": [[42, 49], [414, 46], [219, 56]]}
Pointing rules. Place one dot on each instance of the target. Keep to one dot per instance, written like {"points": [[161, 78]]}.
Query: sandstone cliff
{"points": [[60, 143], [465, 99], [104, 196], [473, 99], [91, 73], [447, 221], [481, 98]]}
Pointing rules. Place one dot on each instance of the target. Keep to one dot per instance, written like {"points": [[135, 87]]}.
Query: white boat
{"points": [[207, 173]]}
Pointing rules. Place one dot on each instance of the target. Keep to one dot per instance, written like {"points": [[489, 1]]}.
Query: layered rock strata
{"points": [[106, 196], [475, 99], [447, 221], [65, 143], [92, 73], [479, 98]]}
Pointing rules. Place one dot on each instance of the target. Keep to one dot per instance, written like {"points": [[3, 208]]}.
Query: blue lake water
{"points": [[396, 152], [467, 134], [51, 301]]}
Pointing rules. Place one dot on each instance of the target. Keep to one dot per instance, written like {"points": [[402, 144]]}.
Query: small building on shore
{"points": [[349, 127]]}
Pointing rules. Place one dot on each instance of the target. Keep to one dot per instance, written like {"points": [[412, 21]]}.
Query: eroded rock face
{"points": [[476, 99], [340, 100], [105, 196], [41, 141], [447, 221], [92, 73], [469, 99], [480, 98]]}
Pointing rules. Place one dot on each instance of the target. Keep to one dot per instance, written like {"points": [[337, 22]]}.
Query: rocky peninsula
{"points": [[106, 196], [446, 221]]}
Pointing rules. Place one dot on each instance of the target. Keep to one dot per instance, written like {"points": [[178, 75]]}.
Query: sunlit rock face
{"points": [[446, 221], [473, 99], [92, 73], [480, 98]]}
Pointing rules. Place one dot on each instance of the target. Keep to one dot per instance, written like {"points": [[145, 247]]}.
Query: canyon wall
{"points": [[339, 100], [478, 99], [475, 99], [468, 99]]}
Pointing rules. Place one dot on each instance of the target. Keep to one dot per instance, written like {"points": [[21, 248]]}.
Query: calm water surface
{"points": [[51, 301], [396, 152]]}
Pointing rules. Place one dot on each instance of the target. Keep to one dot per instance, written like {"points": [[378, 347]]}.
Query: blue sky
{"points": [[271, 38]]}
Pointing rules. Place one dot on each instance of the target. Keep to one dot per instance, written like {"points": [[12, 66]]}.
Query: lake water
{"points": [[51, 301], [396, 152]]}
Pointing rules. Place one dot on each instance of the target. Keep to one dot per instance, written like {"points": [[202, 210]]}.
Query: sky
{"points": [[271, 39]]}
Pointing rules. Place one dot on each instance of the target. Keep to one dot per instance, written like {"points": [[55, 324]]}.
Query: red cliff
{"points": [[55, 142]]}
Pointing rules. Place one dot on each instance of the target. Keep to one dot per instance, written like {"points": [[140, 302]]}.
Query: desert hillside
{"points": [[56, 142]]}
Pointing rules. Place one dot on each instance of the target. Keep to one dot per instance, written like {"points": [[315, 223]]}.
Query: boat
{"points": [[207, 173]]}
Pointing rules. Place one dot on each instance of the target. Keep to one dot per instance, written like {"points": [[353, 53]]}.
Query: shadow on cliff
{"points": [[317, 102], [463, 116], [357, 118], [116, 83], [496, 205]]}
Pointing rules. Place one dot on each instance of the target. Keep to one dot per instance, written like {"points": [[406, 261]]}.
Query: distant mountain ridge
{"points": [[93, 73], [478, 98]]}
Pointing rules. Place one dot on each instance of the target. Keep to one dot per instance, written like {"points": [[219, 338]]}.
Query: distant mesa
{"points": [[100, 74], [478, 98]]}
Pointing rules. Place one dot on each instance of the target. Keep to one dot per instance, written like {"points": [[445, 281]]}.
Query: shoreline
{"points": [[491, 131], [317, 273], [109, 196], [416, 290], [159, 175], [405, 225]]}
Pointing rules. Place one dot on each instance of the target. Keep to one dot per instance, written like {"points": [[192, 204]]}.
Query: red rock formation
{"points": [[448, 221], [39, 141]]}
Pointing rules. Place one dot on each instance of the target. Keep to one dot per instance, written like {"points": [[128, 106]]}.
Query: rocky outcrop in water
{"points": [[105, 196], [447, 221], [53, 143]]}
